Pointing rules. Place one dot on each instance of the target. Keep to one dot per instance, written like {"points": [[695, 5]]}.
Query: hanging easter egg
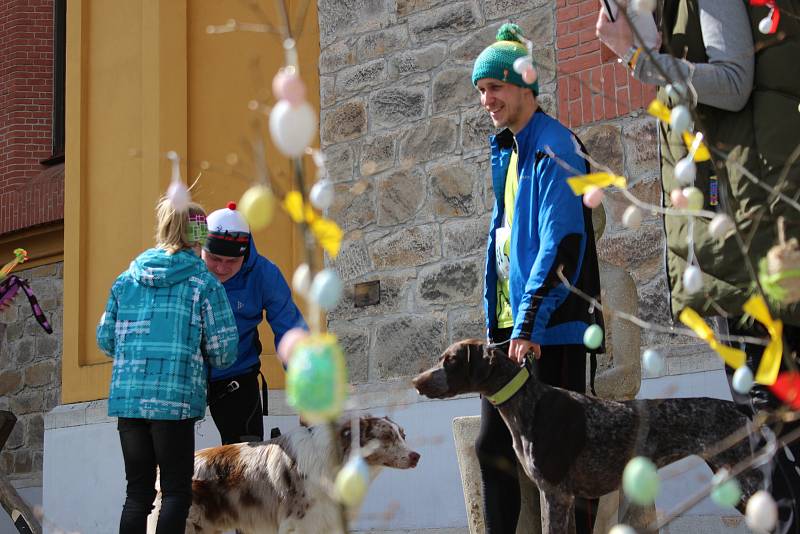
{"points": [[680, 119], [326, 289], [352, 481], [693, 279], [287, 85], [292, 127], [765, 24], [529, 75], [761, 513], [288, 343], [316, 378], [521, 64], [694, 198], [742, 380], [643, 6], [727, 493], [720, 226], [321, 194], [640, 480], [593, 336], [593, 197], [675, 91], [621, 529], [301, 280], [632, 217], [653, 363], [678, 199], [685, 171], [257, 205]]}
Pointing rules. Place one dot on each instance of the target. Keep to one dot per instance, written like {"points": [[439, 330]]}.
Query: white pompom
{"points": [[693, 279], [321, 194], [720, 226], [621, 529], [292, 127], [685, 171], [632, 217], [761, 513], [680, 118]]}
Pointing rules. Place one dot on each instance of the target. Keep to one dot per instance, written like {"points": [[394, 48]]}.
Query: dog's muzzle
{"points": [[431, 383]]}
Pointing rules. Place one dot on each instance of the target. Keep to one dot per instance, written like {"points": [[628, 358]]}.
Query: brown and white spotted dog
{"points": [[573, 445], [281, 486]]}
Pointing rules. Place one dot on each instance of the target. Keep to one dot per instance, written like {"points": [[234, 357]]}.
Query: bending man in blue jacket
{"points": [[538, 226], [254, 286]]}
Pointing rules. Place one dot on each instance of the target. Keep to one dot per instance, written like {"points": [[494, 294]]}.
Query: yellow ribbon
{"points": [[327, 232], [659, 111], [757, 308], [581, 183], [733, 357], [701, 152]]}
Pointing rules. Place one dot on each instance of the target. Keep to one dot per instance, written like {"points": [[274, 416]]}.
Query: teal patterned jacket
{"points": [[167, 317]]}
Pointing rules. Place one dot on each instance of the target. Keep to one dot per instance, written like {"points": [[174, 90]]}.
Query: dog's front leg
{"points": [[558, 515]]}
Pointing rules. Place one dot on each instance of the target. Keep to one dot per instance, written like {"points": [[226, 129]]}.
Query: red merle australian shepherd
{"points": [[282, 485]]}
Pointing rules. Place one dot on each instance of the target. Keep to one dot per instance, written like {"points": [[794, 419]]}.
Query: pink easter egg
{"points": [[678, 199], [288, 342], [287, 85], [529, 74], [593, 197]]}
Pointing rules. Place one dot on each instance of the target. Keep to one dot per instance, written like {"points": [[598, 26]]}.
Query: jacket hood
{"points": [[156, 268]]}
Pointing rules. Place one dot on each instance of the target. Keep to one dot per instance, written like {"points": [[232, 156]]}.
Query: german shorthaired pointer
{"points": [[573, 445]]}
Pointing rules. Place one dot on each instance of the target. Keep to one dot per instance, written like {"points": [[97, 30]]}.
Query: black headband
{"points": [[231, 244]]}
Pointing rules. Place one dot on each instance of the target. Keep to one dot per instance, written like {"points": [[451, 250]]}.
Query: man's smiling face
{"points": [[505, 102]]}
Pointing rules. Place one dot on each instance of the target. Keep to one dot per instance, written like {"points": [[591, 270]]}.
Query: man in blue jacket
{"points": [[538, 227], [254, 286]]}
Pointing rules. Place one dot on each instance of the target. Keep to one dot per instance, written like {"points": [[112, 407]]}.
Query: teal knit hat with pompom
{"points": [[497, 60]]}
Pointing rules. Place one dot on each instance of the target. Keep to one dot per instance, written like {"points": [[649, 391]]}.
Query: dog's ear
{"points": [[478, 362]]}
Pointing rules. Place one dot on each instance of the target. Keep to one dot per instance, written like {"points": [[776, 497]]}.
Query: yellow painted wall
{"points": [[143, 78]]}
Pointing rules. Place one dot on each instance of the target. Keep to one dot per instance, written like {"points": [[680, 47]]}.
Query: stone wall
{"points": [[30, 370], [406, 144]]}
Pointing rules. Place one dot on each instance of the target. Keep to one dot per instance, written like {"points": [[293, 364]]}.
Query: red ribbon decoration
{"points": [[787, 388], [775, 13]]}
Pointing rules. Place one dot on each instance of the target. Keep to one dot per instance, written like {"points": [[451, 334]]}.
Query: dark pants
{"points": [[237, 414], [168, 445], [785, 477], [560, 365]]}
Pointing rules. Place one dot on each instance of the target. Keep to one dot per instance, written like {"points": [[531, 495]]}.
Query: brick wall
{"points": [[30, 194], [592, 84]]}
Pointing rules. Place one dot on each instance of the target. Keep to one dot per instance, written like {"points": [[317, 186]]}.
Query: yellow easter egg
{"points": [[257, 205]]}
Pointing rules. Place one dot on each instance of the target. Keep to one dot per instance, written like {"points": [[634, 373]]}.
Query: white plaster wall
{"points": [[84, 481]]}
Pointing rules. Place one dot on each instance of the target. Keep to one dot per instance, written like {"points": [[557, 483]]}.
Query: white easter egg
{"points": [[326, 289], [693, 279], [292, 127], [321, 194]]}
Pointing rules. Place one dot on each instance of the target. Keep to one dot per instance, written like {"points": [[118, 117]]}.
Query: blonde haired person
{"points": [[167, 318]]}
